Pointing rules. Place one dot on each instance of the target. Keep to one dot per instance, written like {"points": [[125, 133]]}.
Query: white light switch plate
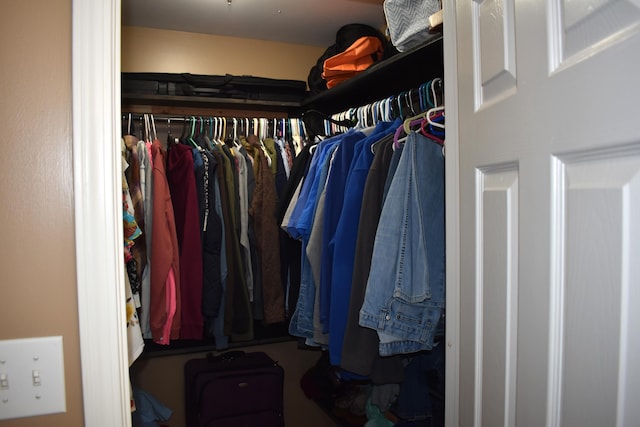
{"points": [[33, 373]]}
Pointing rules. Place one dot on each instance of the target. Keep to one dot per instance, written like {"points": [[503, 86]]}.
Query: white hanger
{"points": [[235, 129], [214, 132], [146, 128], [266, 153], [304, 129], [433, 90], [430, 112], [153, 124]]}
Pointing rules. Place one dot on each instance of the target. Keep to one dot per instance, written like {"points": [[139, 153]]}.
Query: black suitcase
{"points": [[235, 389]]}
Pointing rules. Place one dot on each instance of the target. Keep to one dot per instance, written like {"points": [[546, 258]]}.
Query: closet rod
{"points": [[156, 117]]}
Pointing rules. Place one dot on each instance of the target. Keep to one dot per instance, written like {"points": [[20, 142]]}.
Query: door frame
{"points": [[98, 212], [452, 204], [96, 30]]}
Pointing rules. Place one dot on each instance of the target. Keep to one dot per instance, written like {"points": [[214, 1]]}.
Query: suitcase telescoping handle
{"points": [[225, 357]]}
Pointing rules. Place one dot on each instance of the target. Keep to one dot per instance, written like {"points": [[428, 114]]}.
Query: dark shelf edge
{"points": [[202, 101]]}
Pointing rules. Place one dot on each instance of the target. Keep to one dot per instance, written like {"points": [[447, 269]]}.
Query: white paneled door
{"points": [[549, 212]]}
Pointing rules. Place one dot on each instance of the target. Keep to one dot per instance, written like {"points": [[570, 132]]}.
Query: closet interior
{"points": [[254, 282]]}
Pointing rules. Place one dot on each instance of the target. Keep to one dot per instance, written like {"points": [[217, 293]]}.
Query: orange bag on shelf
{"points": [[355, 59]]}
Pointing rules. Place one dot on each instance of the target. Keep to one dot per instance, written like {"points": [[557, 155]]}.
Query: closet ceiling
{"points": [[309, 22]]}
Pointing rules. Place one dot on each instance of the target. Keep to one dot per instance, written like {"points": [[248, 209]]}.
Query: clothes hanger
{"points": [[203, 141], [235, 129], [406, 128], [222, 130], [141, 135], [424, 115], [430, 133], [378, 113], [214, 131], [239, 130], [396, 137], [434, 92], [409, 103], [218, 131], [302, 130], [399, 105], [389, 108], [207, 133], [146, 132], [345, 123], [143, 127], [413, 120], [190, 140], [198, 131], [183, 134], [129, 125], [266, 153], [432, 114], [153, 127]]}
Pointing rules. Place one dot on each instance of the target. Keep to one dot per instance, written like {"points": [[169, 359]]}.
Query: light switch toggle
{"points": [[4, 381], [35, 374]]}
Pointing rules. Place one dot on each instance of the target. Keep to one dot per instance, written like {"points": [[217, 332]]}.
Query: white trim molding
{"points": [[452, 203], [98, 212]]}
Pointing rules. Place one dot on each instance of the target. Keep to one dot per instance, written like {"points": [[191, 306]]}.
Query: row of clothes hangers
{"points": [[408, 105], [421, 108], [429, 123], [221, 130]]}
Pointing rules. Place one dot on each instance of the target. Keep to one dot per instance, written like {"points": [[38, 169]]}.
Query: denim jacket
{"points": [[404, 298]]}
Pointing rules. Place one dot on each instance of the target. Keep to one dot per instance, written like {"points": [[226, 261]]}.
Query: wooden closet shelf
{"points": [[208, 102]]}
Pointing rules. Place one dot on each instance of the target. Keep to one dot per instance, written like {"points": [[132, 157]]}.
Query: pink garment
{"points": [[170, 289], [164, 256]]}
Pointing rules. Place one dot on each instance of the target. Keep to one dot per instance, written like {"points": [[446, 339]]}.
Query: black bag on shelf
{"points": [[212, 86], [152, 84], [234, 389], [245, 87]]}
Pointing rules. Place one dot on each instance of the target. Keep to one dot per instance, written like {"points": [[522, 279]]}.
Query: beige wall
{"points": [[151, 50], [36, 214]]}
